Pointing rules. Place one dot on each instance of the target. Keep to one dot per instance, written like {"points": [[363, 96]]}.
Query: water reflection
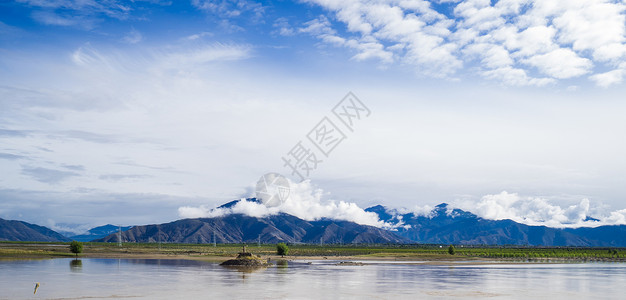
{"points": [[76, 265], [282, 266], [167, 279], [245, 269], [282, 263]]}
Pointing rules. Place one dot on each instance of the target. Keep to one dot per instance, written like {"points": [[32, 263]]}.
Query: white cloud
{"points": [[230, 8], [83, 14], [111, 8], [610, 78], [79, 229], [420, 30], [524, 39], [197, 36], [370, 49], [52, 18], [539, 211], [304, 202], [561, 63], [532, 40], [493, 56], [367, 47], [319, 27], [479, 14], [418, 210], [515, 77], [590, 25], [283, 27]]}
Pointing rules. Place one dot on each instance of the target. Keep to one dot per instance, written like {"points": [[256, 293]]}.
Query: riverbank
{"points": [[405, 253]]}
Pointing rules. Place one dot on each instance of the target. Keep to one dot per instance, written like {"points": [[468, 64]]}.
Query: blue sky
{"points": [[125, 111]]}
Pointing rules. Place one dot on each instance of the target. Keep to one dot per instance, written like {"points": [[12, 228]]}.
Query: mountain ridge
{"points": [[238, 228], [443, 225], [13, 230], [447, 225], [98, 232]]}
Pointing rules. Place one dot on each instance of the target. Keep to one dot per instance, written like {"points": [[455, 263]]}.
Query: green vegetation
{"points": [[451, 250], [282, 249], [76, 247], [408, 251]]}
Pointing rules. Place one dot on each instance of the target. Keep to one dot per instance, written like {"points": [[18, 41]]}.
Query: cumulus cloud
{"points": [[366, 47], [611, 77], [304, 202], [561, 63], [519, 42], [539, 211]]}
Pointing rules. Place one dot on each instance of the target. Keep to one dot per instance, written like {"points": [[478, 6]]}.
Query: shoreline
{"points": [[209, 253], [362, 260]]}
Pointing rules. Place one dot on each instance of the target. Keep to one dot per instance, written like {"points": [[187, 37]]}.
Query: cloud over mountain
{"points": [[304, 202], [539, 211]]}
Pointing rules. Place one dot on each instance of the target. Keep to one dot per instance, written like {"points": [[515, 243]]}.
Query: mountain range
{"points": [[98, 233], [238, 228], [446, 225], [443, 225], [11, 230]]}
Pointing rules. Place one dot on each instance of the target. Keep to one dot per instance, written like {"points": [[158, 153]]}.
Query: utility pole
{"points": [[119, 236], [159, 233]]}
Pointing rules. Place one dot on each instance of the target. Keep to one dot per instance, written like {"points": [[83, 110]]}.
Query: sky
{"points": [[143, 112]]}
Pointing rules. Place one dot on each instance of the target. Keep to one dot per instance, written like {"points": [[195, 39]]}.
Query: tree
{"points": [[76, 247], [451, 250], [282, 249]]}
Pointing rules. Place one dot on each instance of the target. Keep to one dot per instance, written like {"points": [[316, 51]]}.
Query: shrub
{"points": [[76, 247], [282, 249]]}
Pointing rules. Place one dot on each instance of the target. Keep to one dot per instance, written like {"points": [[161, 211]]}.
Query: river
{"points": [[91, 278]]}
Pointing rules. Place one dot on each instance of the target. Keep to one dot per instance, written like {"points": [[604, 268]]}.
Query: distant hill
{"points": [[22, 231], [614, 236], [98, 233], [445, 225], [236, 228]]}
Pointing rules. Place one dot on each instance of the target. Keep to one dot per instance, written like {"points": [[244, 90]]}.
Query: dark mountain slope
{"points": [[236, 228], [22, 231]]}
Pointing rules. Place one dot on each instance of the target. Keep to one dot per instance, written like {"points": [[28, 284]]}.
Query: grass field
{"points": [[412, 252]]}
